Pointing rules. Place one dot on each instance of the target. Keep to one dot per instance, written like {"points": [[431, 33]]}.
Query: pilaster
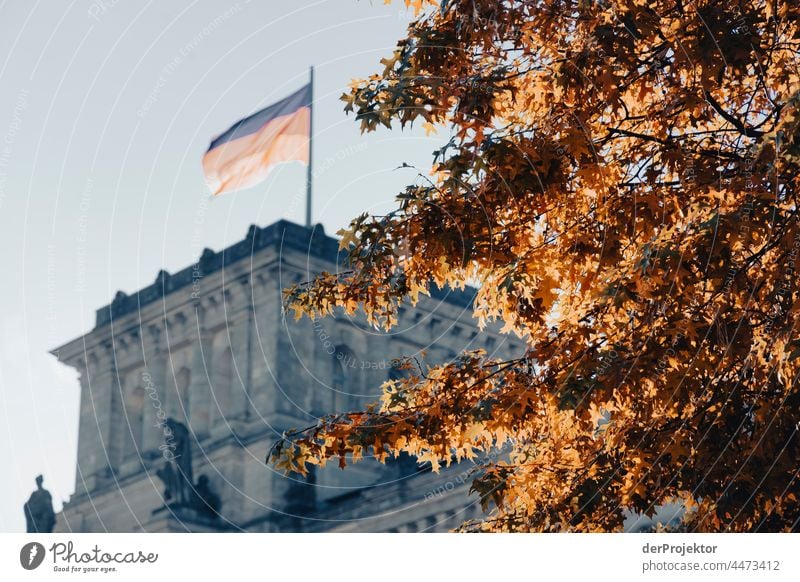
{"points": [[156, 408], [199, 386]]}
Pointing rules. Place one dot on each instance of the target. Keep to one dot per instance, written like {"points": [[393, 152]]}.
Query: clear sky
{"points": [[106, 108]]}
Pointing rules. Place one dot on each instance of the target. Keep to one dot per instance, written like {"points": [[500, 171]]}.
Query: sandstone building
{"points": [[209, 346]]}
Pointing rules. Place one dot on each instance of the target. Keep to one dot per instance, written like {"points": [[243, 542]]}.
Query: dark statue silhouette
{"points": [[180, 491], [39, 514], [206, 501], [177, 472]]}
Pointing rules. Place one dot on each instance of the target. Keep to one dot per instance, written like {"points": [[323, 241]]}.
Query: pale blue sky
{"points": [[106, 108]]}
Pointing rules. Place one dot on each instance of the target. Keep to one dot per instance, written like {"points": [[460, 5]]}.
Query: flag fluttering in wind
{"points": [[244, 154]]}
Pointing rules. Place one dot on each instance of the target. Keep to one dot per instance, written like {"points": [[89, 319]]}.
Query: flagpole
{"points": [[310, 148]]}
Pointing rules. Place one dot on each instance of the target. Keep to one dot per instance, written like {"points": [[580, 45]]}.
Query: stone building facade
{"points": [[209, 346]]}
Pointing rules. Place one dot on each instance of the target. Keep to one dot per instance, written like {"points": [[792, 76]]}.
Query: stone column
{"points": [[87, 448], [156, 398], [199, 387], [99, 386], [241, 327], [264, 349]]}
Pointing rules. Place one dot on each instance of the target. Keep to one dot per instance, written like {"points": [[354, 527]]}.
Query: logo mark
{"points": [[32, 555]]}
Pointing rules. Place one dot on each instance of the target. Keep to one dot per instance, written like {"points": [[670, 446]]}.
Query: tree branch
{"points": [[737, 123]]}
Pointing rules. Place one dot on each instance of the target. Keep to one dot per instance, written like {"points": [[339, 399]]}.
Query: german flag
{"points": [[244, 154]]}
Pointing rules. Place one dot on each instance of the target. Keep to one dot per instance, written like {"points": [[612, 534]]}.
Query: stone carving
{"points": [[177, 471], [39, 514], [180, 491], [169, 479], [206, 501]]}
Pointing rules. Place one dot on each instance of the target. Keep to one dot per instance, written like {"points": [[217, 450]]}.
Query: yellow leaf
{"points": [[348, 238]]}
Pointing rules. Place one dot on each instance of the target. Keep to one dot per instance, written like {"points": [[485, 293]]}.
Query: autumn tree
{"points": [[621, 185]]}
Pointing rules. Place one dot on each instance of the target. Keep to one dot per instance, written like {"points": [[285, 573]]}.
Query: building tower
{"points": [[209, 347]]}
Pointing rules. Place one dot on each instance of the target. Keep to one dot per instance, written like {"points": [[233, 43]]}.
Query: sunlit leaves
{"points": [[621, 185]]}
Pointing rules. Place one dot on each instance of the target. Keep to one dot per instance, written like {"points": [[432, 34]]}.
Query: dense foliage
{"points": [[621, 184]]}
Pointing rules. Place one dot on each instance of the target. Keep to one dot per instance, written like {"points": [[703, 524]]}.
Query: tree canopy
{"points": [[621, 185]]}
